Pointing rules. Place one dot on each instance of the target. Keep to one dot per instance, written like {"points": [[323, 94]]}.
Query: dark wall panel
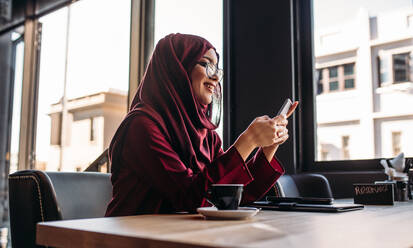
{"points": [[17, 17], [24, 9], [260, 61], [43, 6]]}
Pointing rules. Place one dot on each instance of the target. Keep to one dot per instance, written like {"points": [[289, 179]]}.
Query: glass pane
{"points": [[349, 83], [411, 67], [177, 16], [18, 80], [84, 71], [333, 85], [401, 67], [362, 40], [349, 69], [320, 81], [333, 72]]}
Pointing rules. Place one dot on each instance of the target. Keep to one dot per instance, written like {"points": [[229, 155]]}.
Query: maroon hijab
{"points": [[165, 95]]}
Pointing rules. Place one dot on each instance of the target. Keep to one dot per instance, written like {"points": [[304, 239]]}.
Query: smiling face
{"points": [[203, 86]]}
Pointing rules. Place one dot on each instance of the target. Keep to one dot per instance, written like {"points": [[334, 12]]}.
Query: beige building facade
{"points": [[365, 87], [91, 122]]}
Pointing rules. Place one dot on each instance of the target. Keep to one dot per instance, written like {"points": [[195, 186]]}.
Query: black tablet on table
{"points": [[305, 204]]}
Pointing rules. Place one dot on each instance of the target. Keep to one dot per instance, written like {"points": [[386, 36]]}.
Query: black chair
{"points": [[37, 196], [302, 185]]}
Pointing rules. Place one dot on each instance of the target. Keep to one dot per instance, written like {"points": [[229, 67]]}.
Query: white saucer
{"points": [[240, 213]]}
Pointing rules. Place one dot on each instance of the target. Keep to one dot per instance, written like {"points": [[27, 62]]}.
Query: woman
{"points": [[166, 153]]}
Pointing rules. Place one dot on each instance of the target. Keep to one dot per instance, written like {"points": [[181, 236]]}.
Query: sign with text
{"points": [[374, 194]]}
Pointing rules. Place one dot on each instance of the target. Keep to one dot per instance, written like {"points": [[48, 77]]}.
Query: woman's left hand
{"points": [[282, 134], [282, 121]]}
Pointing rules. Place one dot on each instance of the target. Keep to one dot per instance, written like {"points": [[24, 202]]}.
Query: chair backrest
{"points": [[304, 185], [36, 196]]}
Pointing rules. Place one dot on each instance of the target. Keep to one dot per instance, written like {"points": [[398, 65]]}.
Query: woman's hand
{"points": [[269, 151], [282, 136], [262, 132]]}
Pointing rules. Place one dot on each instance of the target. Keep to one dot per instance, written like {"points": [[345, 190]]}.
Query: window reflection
{"points": [[18, 53], [363, 58], [83, 84]]}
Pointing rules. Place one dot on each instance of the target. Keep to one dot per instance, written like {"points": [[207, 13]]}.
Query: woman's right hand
{"points": [[263, 131]]}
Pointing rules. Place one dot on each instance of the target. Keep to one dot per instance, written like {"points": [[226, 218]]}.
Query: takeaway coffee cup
{"points": [[225, 196]]}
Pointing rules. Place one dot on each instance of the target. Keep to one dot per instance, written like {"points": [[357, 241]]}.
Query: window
{"points": [[396, 142], [320, 87], [333, 72], [83, 82], [348, 94], [339, 78], [348, 76], [349, 83], [400, 65], [333, 86], [401, 70]]}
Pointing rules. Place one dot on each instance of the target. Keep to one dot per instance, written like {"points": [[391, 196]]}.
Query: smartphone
{"points": [[300, 200], [285, 107]]}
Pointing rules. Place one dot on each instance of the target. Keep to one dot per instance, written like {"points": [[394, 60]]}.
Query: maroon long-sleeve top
{"points": [[153, 179]]}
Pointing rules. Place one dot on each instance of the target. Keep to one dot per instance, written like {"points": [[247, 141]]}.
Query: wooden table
{"points": [[375, 226]]}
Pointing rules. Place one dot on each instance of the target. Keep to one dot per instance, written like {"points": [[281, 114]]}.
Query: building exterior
{"points": [[365, 87], [91, 122]]}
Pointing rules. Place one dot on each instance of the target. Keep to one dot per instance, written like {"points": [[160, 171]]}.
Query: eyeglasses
{"points": [[212, 70]]}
